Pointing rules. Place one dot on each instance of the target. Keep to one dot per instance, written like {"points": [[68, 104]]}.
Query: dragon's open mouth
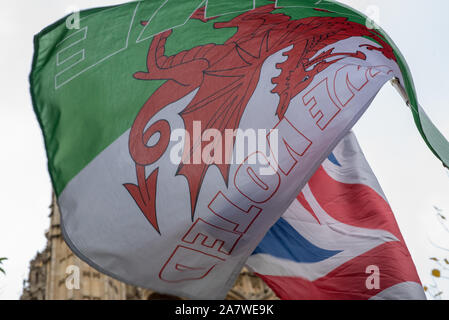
{"points": [[329, 57]]}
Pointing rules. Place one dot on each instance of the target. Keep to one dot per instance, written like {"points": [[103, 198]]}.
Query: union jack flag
{"points": [[339, 238]]}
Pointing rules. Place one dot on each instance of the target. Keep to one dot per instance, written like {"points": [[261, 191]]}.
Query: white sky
{"points": [[412, 178]]}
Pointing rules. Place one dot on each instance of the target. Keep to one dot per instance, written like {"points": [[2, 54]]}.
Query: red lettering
{"points": [[237, 218], [257, 188], [323, 108], [294, 144], [211, 238], [348, 80], [188, 264]]}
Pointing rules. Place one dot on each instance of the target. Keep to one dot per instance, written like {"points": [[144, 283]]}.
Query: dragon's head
{"points": [[299, 70], [306, 40]]}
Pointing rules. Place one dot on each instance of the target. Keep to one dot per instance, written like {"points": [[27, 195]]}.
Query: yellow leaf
{"points": [[436, 273], [434, 259], [425, 288]]}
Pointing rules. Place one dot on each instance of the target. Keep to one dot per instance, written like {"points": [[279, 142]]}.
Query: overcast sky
{"points": [[412, 178]]}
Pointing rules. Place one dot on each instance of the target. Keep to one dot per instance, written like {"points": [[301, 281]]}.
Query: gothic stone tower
{"points": [[53, 271]]}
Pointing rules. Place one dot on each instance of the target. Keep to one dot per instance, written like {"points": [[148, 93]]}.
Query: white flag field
{"points": [[180, 134]]}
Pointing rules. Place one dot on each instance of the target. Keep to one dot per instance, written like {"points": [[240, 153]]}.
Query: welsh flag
{"points": [[179, 132]]}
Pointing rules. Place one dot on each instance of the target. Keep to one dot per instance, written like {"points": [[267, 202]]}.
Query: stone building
{"points": [[52, 273]]}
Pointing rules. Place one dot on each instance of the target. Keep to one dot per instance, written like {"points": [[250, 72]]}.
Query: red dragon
{"points": [[226, 76]]}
